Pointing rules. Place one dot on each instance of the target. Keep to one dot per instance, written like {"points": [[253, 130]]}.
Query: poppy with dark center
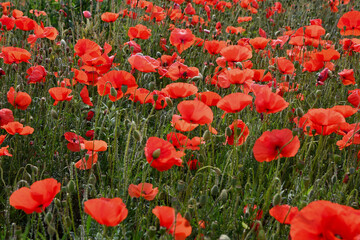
{"points": [[37, 197], [349, 23], [181, 125], [214, 47], [209, 98], [42, 32], [144, 190], [25, 23], [106, 211], [182, 142], [88, 161], [236, 53], [275, 144], [76, 142], [60, 94], [182, 39], [116, 80], [321, 220], [179, 70], [177, 226], [194, 111], [161, 154], [20, 100]]}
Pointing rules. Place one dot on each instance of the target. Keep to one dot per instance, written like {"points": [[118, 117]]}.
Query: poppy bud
{"points": [[214, 225], [187, 216], [276, 199], [162, 230], [318, 93], [228, 132], [155, 97], [334, 179], [158, 54], [156, 153], [330, 73], [224, 237], [113, 92], [169, 102], [48, 217], [181, 186], [313, 132], [54, 114], [337, 158], [206, 135], [34, 169], [71, 186], [239, 64], [124, 88], [63, 43], [299, 112], [137, 135], [151, 86], [223, 195], [354, 205], [261, 235], [214, 191], [22, 121], [57, 203], [151, 232], [202, 200], [352, 170]]}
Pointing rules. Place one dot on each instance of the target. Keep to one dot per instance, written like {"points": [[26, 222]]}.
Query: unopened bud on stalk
{"points": [[181, 186], [207, 135], [224, 237], [48, 217], [228, 132], [169, 102], [54, 114], [158, 54], [137, 135], [71, 186], [151, 86], [276, 199], [113, 92], [151, 232], [214, 191], [223, 195], [202, 200], [124, 88]]}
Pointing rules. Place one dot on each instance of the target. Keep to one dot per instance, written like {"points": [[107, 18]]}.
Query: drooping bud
{"points": [[156, 153]]}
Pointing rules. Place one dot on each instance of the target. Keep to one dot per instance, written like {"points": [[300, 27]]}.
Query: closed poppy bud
{"points": [[276, 199], [156, 153], [48, 217], [113, 92], [206, 135], [151, 232], [169, 102], [223, 195], [155, 97], [87, 14], [151, 86], [228, 132], [215, 191], [54, 114], [202, 200], [137, 135], [261, 235], [124, 89], [71, 186]]}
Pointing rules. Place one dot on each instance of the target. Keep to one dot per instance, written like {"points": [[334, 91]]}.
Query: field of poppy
{"points": [[180, 119]]}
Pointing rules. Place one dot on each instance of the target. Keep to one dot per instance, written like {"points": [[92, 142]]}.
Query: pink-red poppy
{"points": [[240, 131], [144, 190], [209, 98], [347, 77], [75, 142], [36, 74], [234, 102], [181, 125], [284, 213], [37, 197], [6, 116], [139, 31], [266, 101], [88, 161], [84, 94], [106, 211], [180, 90], [143, 63], [236, 53], [182, 39], [14, 55], [349, 23], [275, 144], [179, 70], [95, 145], [109, 17]]}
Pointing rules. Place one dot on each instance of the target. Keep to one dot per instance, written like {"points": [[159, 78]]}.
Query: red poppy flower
{"points": [[349, 23], [284, 213], [182, 39], [116, 79], [95, 145], [8, 22], [234, 102], [76, 142], [180, 90], [266, 101], [60, 94], [36, 74], [20, 100], [323, 121], [325, 220], [347, 77], [25, 23], [352, 137], [240, 130], [144, 190], [275, 144], [42, 32], [260, 76], [178, 227], [193, 164], [259, 42], [109, 17], [16, 127], [345, 110], [182, 125], [6, 116], [236, 53], [84, 94], [4, 150], [209, 98], [88, 161], [139, 31], [86, 14], [143, 63], [354, 97], [106, 211], [161, 154], [178, 70], [194, 111], [14, 55], [214, 47], [182, 142], [37, 197]]}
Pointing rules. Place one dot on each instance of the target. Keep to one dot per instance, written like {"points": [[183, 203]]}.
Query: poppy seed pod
{"points": [[151, 232], [151, 86], [156, 153], [71, 186], [224, 237], [181, 186]]}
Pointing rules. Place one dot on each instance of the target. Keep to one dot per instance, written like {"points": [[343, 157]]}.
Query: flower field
{"points": [[180, 119]]}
